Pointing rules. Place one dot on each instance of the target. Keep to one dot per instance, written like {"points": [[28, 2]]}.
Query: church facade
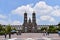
{"points": [[29, 25]]}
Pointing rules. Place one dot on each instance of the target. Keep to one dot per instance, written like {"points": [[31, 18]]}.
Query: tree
{"points": [[51, 26], [43, 28], [52, 29], [14, 28], [59, 24], [8, 28], [1, 27], [58, 27]]}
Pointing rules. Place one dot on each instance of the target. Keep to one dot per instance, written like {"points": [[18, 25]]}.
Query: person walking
{"points": [[47, 33], [44, 33], [9, 35], [5, 35]]}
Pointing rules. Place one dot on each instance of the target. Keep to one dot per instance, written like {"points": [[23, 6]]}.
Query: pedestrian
{"points": [[9, 35], [17, 32], [47, 33], [20, 32], [44, 33], [5, 35]]}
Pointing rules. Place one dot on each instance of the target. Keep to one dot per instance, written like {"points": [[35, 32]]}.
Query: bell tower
{"points": [[25, 19], [34, 18], [25, 22], [34, 22]]}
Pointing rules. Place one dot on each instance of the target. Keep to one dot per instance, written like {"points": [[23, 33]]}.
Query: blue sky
{"points": [[47, 11]]}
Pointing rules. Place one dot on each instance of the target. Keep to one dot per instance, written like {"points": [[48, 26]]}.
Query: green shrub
{"points": [[2, 33]]}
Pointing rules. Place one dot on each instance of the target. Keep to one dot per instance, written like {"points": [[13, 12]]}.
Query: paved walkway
{"points": [[33, 36]]}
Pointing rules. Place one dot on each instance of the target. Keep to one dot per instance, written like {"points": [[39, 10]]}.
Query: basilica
{"points": [[30, 25]]}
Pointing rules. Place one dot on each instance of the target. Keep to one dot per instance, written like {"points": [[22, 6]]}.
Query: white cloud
{"points": [[22, 9], [56, 7], [38, 21], [3, 22], [47, 18], [56, 13], [16, 23], [2, 16], [41, 8]]}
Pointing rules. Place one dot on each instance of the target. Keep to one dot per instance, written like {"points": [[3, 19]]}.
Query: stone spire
{"points": [[25, 19], [29, 20], [33, 17]]}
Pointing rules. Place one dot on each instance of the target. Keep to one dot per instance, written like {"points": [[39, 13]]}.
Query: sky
{"points": [[12, 11]]}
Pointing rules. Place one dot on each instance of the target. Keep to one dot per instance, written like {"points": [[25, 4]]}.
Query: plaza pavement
{"points": [[33, 36]]}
